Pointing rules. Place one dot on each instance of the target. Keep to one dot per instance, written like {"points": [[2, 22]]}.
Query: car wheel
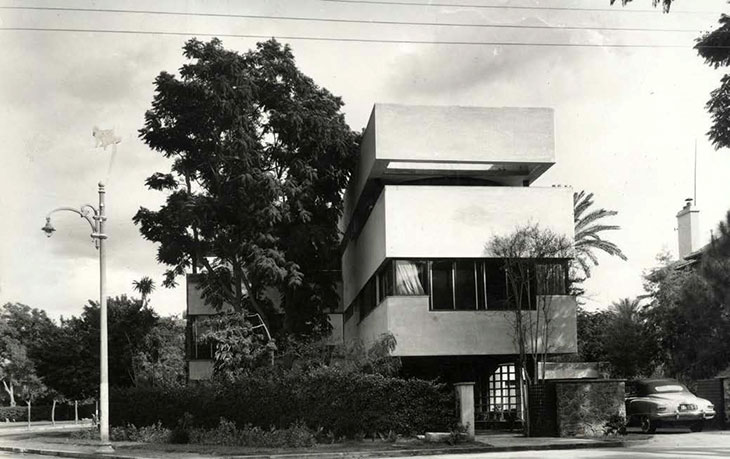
{"points": [[697, 426], [647, 425]]}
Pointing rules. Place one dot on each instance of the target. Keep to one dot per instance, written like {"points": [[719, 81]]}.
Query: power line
{"points": [[510, 7], [345, 21], [350, 39]]}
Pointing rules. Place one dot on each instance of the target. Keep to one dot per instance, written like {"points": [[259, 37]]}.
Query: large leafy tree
{"points": [[714, 47], [160, 360], [627, 344], [260, 156], [588, 235], [690, 310]]}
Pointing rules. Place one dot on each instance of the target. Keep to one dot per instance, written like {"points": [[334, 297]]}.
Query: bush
{"points": [[337, 401], [155, 433], [228, 434]]}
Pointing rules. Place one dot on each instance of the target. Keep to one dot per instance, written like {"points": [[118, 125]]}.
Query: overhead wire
{"points": [[355, 40], [512, 7], [347, 21]]}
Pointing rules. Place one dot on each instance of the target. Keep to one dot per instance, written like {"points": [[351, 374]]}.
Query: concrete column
{"points": [[465, 399]]}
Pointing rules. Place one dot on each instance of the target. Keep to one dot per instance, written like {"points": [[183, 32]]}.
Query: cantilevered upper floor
{"points": [[435, 144]]}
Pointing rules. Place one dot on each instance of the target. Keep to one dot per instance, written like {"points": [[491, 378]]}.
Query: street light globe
{"points": [[48, 228]]}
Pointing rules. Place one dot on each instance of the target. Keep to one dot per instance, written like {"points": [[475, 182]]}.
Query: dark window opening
{"points": [[465, 291], [442, 286]]}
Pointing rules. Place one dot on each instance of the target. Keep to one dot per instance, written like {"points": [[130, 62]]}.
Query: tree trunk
{"points": [[53, 412], [76, 411], [28, 402], [11, 392]]}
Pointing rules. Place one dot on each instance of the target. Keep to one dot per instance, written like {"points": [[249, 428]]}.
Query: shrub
{"points": [[227, 433], [336, 401], [155, 433]]}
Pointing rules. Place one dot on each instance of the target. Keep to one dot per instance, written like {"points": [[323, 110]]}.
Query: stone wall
{"points": [[584, 407]]}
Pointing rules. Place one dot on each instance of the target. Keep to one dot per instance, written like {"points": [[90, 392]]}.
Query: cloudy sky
{"points": [[626, 117]]}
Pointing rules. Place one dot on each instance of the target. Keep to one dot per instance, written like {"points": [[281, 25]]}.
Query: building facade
{"points": [[432, 187]]}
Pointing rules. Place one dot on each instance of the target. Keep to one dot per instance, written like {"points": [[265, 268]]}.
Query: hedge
{"points": [[343, 402], [43, 412]]}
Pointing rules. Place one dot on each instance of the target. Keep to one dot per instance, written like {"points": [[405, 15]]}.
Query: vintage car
{"points": [[651, 403]]}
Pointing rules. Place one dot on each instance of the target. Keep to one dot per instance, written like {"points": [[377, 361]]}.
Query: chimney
{"points": [[688, 229]]}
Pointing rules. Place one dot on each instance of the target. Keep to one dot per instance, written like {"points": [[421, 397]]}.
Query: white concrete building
{"points": [[432, 187]]}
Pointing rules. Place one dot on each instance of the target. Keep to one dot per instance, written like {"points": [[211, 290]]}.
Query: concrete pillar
{"points": [[465, 400]]}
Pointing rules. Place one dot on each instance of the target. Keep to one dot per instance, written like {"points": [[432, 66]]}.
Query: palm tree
{"points": [[587, 234], [144, 286]]}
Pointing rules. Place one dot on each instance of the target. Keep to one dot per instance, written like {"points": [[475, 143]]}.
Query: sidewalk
{"points": [[60, 444]]}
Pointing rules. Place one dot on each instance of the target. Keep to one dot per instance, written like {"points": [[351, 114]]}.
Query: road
{"points": [[670, 444]]}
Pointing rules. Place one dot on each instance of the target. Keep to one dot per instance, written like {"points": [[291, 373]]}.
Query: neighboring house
{"points": [[432, 186]]}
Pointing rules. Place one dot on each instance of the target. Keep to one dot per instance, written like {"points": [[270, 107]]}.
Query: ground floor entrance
{"points": [[497, 388]]}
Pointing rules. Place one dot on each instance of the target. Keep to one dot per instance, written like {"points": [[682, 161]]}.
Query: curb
{"points": [[341, 455]]}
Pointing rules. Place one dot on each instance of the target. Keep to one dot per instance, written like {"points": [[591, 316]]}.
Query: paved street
{"points": [[667, 444]]}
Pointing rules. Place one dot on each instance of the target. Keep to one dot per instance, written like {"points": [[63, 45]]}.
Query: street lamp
{"points": [[96, 217]]}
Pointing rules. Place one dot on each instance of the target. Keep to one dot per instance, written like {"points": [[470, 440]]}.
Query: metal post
{"points": [[104, 389]]}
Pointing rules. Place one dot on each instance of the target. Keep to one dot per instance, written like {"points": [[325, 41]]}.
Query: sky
{"points": [[626, 118]]}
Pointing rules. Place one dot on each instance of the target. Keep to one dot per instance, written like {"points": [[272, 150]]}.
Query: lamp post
{"points": [[96, 216]]}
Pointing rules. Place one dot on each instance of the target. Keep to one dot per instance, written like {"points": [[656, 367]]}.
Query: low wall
{"points": [[584, 407]]}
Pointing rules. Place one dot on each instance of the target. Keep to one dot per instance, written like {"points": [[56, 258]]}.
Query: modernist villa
{"points": [[432, 186]]}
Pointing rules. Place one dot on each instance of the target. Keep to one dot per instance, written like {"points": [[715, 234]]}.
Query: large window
{"points": [[462, 284], [199, 349]]}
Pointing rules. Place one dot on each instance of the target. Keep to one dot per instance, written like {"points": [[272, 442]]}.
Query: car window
{"points": [[669, 388]]}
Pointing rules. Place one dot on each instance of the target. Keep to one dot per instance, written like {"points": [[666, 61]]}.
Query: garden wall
{"points": [[584, 407], [569, 408]]}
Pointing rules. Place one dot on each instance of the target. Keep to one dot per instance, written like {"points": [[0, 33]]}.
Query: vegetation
{"points": [[260, 156], [530, 322], [144, 287], [588, 240]]}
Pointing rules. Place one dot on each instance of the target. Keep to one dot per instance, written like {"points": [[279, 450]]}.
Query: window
{"points": [[385, 281], [503, 397], [465, 291], [496, 284], [368, 298], [551, 278], [200, 349], [442, 286], [411, 277]]}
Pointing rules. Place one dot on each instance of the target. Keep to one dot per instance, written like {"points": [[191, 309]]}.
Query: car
{"points": [[651, 403]]}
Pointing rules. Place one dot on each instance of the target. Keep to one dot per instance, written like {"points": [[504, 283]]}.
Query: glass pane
{"points": [[551, 279], [496, 284], [410, 277], [442, 286], [466, 295], [385, 280], [481, 290]]}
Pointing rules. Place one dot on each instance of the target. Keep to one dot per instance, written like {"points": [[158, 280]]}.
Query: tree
{"points": [[714, 47], [16, 369], [628, 345], [530, 314], [144, 287], [239, 349], [160, 361], [588, 235], [689, 310], [591, 327], [260, 155]]}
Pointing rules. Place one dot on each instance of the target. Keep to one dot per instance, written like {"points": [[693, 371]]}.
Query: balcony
{"points": [[418, 221], [503, 145], [423, 332]]}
